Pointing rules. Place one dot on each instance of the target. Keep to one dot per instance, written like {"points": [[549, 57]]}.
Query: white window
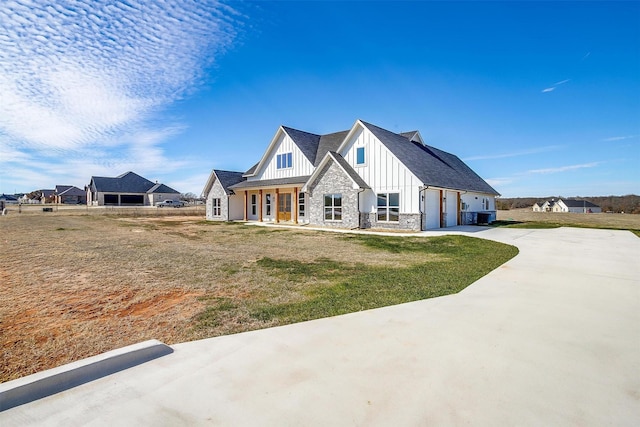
{"points": [[284, 161], [360, 156], [333, 207], [254, 204], [268, 204], [389, 207], [301, 204], [216, 207]]}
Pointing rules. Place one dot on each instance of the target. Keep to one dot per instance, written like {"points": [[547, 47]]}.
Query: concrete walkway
{"points": [[551, 338]]}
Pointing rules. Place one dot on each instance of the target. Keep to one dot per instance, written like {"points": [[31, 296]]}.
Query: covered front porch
{"points": [[275, 202]]}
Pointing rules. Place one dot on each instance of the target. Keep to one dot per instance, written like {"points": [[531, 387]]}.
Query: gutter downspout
{"points": [[423, 217], [358, 206]]}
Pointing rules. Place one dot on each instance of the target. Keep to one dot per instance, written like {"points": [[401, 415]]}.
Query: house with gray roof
{"points": [[567, 205], [70, 194], [128, 189], [363, 177]]}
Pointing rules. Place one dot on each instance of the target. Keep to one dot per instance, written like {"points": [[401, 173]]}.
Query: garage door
{"points": [[131, 199], [432, 209], [452, 209], [111, 199]]}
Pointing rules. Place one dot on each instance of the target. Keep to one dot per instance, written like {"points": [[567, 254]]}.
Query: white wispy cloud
{"points": [[80, 78], [555, 85], [514, 153], [563, 168], [619, 138]]}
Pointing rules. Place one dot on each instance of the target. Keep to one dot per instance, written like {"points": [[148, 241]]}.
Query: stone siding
{"points": [[332, 180], [406, 222], [218, 192]]}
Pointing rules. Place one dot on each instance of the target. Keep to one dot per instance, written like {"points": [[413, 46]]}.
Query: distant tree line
{"points": [[617, 204]]}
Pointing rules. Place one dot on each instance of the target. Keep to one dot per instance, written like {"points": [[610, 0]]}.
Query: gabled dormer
{"points": [[413, 136]]}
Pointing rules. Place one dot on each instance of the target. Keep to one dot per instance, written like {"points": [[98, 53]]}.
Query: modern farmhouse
{"points": [[364, 177]]}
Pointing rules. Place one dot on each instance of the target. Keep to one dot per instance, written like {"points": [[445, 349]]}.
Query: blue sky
{"points": [[539, 98]]}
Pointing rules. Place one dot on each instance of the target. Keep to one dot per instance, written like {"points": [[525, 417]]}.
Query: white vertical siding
{"points": [[301, 166], [475, 202], [383, 171]]}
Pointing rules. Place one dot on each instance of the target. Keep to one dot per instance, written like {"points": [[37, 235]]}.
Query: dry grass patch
{"points": [[560, 219], [73, 286]]}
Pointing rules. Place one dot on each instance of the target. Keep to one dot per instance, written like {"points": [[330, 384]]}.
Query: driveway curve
{"points": [[552, 337]]}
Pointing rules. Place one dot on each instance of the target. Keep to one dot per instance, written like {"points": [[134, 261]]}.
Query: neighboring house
{"points": [[47, 196], [364, 177], [538, 207], [567, 205], [69, 194], [128, 189], [9, 199], [575, 206]]}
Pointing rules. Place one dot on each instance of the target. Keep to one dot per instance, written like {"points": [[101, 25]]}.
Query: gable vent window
{"points": [[284, 161], [389, 207], [360, 159]]}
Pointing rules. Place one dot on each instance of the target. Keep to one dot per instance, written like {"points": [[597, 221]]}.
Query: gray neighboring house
{"points": [[128, 189], [363, 177], [70, 194]]}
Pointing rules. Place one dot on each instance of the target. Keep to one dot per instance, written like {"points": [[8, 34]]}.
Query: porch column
{"points": [[246, 200], [260, 206], [294, 205], [277, 205]]}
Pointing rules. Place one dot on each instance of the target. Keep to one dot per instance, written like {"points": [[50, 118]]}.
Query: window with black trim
{"points": [[389, 207], [216, 207], [254, 204], [333, 207], [301, 204]]}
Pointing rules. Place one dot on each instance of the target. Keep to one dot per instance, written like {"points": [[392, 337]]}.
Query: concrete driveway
{"points": [[551, 338]]}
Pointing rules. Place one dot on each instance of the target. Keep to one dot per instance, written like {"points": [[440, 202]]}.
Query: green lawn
{"points": [[325, 287]]}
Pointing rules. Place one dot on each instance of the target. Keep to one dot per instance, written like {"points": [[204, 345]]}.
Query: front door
{"points": [[284, 207]]}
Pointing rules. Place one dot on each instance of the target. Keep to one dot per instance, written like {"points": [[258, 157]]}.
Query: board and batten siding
{"points": [[383, 171], [301, 166]]}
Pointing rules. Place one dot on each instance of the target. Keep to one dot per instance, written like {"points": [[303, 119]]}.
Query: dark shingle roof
{"points": [[252, 169], [329, 142], [349, 170], [306, 142], [269, 182], [572, 203], [228, 178], [161, 189], [432, 166], [128, 182], [69, 190]]}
